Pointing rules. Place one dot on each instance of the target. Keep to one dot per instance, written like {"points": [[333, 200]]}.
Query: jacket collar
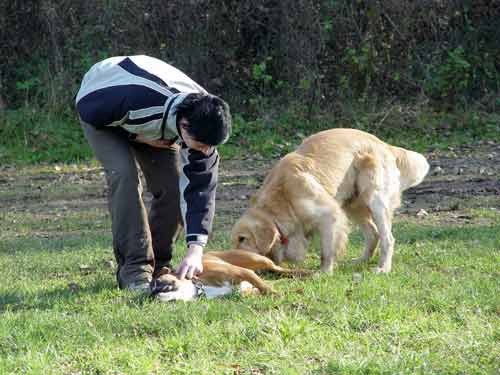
{"points": [[170, 114]]}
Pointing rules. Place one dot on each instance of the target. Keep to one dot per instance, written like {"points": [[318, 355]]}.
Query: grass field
{"points": [[438, 312], [60, 311]]}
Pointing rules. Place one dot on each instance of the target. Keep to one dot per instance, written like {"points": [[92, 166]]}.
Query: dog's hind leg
{"points": [[371, 236], [218, 271], [382, 216], [360, 213], [372, 212], [254, 262]]}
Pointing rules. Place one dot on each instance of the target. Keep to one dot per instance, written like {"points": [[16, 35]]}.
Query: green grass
{"points": [[437, 313], [30, 136]]}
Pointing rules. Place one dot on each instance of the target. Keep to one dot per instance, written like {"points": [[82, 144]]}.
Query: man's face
{"points": [[189, 141]]}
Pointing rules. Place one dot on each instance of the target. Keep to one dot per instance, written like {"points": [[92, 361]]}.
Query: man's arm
{"points": [[197, 185]]}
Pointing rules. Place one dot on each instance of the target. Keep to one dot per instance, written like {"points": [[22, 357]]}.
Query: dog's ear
{"points": [[240, 240], [242, 237], [255, 232], [238, 235], [267, 238]]}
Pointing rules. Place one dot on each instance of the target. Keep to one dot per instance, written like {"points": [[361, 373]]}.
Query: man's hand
{"points": [[160, 143], [191, 264]]}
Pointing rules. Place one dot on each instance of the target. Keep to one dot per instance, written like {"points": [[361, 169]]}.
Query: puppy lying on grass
{"points": [[223, 273]]}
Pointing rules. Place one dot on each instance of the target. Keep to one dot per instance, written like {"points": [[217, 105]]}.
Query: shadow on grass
{"points": [[30, 244], [47, 300]]}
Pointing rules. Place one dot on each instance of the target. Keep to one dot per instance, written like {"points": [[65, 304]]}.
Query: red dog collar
{"points": [[283, 238]]}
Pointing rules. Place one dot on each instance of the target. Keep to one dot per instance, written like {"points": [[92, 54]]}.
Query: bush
{"points": [[314, 52]]}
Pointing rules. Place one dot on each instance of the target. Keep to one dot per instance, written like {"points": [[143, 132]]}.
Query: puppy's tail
{"points": [[412, 166]]}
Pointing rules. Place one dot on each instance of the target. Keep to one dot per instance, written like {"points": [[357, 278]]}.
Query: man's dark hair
{"points": [[209, 118]]}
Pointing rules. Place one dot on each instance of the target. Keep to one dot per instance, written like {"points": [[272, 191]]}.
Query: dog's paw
{"points": [[165, 283], [267, 290], [270, 292], [328, 267], [360, 260], [379, 270]]}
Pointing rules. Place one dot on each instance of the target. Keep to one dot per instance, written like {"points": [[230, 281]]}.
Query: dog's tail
{"points": [[368, 177], [412, 166]]}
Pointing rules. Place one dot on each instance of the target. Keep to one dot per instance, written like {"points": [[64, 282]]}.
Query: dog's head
{"points": [[256, 231], [168, 287]]}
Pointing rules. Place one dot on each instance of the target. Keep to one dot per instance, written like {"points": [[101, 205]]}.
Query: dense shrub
{"points": [[315, 52]]}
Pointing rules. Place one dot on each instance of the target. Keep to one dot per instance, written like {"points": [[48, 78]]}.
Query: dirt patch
{"points": [[460, 178]]}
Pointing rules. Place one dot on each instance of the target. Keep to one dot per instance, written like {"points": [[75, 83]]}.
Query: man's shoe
{"points": [[139, 282], [162, 270], [142, 287]]}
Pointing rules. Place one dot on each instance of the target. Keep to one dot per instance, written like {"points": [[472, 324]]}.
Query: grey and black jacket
{"points": [[140, 94]]}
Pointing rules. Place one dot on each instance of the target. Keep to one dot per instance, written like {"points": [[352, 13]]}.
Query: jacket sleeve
{"points": [[197, 186]]}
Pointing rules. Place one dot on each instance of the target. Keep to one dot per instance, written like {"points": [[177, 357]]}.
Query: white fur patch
{"points": [[392, 176], [378, 205], [185, 292], [188, 292], [246, 287]]}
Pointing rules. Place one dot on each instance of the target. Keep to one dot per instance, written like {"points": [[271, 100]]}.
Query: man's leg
{"points": [[161, 170], [131, 234]]}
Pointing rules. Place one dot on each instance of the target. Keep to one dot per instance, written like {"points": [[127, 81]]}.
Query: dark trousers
{"points": [[142, 242]]}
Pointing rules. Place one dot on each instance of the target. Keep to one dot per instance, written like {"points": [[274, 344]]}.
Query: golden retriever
{"points": [[333, 176]]}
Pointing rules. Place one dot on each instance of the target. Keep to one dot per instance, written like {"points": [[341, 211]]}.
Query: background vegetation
{"points": [[386, 66], [423, 74]]}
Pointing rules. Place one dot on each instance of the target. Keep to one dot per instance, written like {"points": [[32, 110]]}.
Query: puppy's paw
{"points": [[268, 290], [165, 283]]}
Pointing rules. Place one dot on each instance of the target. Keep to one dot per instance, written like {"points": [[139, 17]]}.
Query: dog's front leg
{"points": [[333, 236], [296, 247], [277, 254]]}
